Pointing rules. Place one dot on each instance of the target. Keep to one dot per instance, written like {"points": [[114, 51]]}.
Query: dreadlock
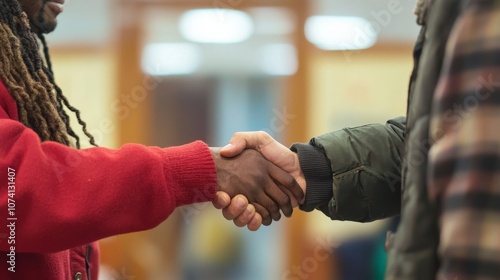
{"points": [[422, 10], [41, 103]]}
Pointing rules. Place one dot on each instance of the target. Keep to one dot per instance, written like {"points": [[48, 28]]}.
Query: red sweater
{"points": [[63, 198]]}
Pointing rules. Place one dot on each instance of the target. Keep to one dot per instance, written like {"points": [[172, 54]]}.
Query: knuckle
{"points": [[228, 214], [262, 134], [286, 200], [289, 182], [236, 135], [263, 214], [240, 222], [274, 208], [216, 205]]}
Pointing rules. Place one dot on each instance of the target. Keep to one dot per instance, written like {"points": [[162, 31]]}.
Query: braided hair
{"points": [[40, 102], [422, 10]]}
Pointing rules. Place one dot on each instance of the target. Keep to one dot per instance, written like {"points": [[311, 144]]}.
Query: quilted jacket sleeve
{"points": [[354, 173]]}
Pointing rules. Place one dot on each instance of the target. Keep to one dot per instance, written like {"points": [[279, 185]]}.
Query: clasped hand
{"points": [[257, 177]]}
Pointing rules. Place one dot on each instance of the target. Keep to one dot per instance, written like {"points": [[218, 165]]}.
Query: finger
{"points": [[264, 214], [282, 189], [233, 149], [255, 223], [286, 181], [245, 218], [221, 200], [266, 201], [237, 207], [294, 201], [282, 200], [245, 140]]}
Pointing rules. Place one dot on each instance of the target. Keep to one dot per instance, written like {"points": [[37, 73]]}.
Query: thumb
{"points": [[237, 144], [245, 140], [232, 150]]}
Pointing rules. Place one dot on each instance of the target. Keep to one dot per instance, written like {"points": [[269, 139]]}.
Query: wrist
{"points": [[215, 152], [299, 176]]}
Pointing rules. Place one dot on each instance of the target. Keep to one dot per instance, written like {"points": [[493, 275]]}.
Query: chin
{"points": [[45, 27], [49, 27]]}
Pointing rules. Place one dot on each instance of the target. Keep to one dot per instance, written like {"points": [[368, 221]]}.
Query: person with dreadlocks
{"points": [[57, 199]]}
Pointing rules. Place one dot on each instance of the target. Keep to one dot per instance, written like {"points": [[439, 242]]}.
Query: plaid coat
{"points": [[439, 167]]}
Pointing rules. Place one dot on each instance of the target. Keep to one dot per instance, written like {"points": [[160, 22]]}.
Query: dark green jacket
{"points": [[377, 171]]}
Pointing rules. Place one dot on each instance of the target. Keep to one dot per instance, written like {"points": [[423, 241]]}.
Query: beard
{"points": [[43, 22], [44, 27]]}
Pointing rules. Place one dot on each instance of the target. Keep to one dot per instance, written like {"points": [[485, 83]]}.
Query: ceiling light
{"points": [[340, 33], [221, 26]]}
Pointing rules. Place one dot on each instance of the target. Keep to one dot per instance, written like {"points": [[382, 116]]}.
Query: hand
{"points": [[238, 210], [272, 151], [261, 182]]}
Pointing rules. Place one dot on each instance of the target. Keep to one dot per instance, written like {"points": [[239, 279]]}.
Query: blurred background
{"points": [[168, 72]]}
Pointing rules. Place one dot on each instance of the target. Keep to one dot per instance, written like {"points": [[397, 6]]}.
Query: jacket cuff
{"points": [[318, 174], [194, 175]]}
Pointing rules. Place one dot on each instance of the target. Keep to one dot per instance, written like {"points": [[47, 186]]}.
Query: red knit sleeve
{"points": [[59, 197]]}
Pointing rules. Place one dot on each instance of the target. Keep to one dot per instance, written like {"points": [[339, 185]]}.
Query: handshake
{"points": [[257, 177]]}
